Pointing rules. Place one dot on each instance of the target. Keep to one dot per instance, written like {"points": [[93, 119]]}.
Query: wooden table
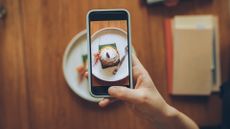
{"points": [[33, 36]]}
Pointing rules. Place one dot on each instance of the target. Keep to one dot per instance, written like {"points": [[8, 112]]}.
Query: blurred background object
{"points": [[154, 1], [193, 55], [229, 12], [168, 3], [171, 2], [2, 12]]}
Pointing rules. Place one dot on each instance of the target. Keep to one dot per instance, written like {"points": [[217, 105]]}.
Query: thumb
{"points": [[123, 93]]}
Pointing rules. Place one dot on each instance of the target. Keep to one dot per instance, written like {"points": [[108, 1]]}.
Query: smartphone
{"points": [[109, 50]]}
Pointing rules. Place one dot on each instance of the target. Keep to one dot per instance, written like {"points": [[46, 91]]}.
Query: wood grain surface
{"points": [[33, 37], [97, 25], [13, 94]]}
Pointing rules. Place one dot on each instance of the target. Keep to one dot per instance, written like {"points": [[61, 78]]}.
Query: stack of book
{"points": [[192, 55]]}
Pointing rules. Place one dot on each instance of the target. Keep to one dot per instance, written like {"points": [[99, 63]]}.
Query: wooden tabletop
{"points": [[34, 35], [97, 25]]}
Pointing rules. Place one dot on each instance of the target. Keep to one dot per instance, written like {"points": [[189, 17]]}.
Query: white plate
{"points": [[72, 58], [108, 36]]}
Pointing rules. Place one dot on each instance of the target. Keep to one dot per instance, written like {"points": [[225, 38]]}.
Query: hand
{"points": [[147, 103], [145, 99]]}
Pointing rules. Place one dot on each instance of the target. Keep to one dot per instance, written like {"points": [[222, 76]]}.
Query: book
{"points": [[192, 55], [169, 53]]}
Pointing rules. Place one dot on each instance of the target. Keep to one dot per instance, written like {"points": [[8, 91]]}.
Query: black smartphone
{"points": [[109, 50]]}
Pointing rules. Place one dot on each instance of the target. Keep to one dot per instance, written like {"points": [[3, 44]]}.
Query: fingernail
{"points": [[113, 89]]}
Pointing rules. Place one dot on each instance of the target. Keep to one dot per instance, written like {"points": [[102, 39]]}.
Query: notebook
{"points": [[192, 51]]}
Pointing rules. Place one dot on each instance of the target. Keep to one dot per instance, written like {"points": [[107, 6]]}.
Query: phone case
{"points": [[129, 49]]}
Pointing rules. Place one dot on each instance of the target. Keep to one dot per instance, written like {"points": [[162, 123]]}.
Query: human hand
{"points": [[147, 103], [144, 99]]}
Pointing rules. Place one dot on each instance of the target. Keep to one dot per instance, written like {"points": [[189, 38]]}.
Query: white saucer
{"points": [[73, 58]]}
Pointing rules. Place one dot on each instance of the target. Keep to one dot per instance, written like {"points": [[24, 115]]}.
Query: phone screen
{"points": [[109, 49]]}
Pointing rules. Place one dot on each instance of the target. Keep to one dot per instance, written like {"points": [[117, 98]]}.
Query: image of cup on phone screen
{"points": [[108, 35]]}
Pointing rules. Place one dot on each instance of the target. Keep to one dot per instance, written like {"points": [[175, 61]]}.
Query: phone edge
{"points": [[88, 49]]}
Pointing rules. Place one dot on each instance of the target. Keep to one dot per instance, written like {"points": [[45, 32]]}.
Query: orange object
{"points": [[169, 53], [97, 57], [81, 71]]}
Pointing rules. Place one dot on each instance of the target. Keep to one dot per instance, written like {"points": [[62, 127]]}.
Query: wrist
{"points": [[173, 117], [166, 117], [168, 114]]}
